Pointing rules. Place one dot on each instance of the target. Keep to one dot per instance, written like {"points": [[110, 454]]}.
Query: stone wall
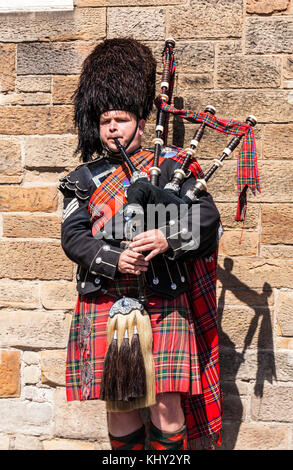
{"points": [[234, 54]]}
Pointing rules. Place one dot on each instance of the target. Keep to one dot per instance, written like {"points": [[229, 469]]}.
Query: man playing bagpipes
{"points": [[160, 352]]}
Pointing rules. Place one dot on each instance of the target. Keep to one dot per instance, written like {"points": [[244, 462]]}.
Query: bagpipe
{"points": [[129, 379]]}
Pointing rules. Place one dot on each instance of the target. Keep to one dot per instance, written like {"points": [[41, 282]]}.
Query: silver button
{"points": [[184, 230], [98, 260], [173, 286], [155, 281], [78, 277], [106, 247], [97, 280], [172, 222]]}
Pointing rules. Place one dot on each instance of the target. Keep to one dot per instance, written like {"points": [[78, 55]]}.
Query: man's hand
{"points": [[132, 263], [151, 240]]}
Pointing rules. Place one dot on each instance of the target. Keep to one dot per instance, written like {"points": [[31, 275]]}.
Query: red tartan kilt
{"points": [[174, 343]]}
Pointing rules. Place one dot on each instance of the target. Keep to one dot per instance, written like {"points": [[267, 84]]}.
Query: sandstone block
{"points": [[266, 6], [31, 374], [9, 373], [255, 273], [85, 24], [50, 152], [277, 223], [33, 83], [247, 327], [279, 187], [195, 81], [252, 365], [254, 436], [10, 161], [228, 212], [267, 105], [38, 394], [278, 141], [23, 442], [63, 88], [34, 329], [27, 417], [19, 294], [196, 57], [53, 364], [212, 20], [4, 442], [31, 357], [230, 243], [7, 67], [29, 120], [284, 343], [40, 58], [242, 296], [269, 35], [26, 226], [80, 420], [139, 23], [27, 99], [229, 47], [68, 444], [58, 296], [276, 251], [288, 67], [284, 361], [20, 198], [274, 405], [248, 72], [285, 313], [34, 260]]}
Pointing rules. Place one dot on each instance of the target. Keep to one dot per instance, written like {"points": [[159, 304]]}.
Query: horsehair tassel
{"points": [[109, 379], [201, 184], [165, 96], [124, 361], [137, 369], [142, 321], [179, 173]]}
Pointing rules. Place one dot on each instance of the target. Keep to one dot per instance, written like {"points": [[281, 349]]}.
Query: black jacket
{"points": [[97, 259]]}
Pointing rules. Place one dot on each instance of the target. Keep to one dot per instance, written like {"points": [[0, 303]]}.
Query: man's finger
{"points": [[152, 254], [145, 247]]}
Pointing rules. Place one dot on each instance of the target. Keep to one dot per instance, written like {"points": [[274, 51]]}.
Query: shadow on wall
{"points": [[232, 359]]}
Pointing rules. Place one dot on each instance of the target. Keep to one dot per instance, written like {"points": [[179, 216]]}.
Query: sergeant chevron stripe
{"points": [[72, 206]]}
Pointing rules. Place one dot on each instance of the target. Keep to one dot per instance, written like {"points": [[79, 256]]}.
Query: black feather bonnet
{"points": [[119, 74]]}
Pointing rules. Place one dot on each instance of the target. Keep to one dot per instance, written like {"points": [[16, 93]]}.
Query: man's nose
{"points": [[113, 126]]}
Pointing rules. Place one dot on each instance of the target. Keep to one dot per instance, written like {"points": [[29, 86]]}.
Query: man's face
{"points": [[121, 125]]}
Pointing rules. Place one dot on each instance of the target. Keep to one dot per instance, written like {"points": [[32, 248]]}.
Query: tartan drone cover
{"points": [[247, 170]]}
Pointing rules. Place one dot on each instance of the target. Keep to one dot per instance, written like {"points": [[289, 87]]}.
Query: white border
{"points": [[8, 6]]}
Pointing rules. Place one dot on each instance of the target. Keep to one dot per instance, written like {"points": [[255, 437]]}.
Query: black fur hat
{"points": [[119, 74]]}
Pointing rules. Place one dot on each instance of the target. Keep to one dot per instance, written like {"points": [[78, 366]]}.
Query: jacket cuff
{"points": [[180, 239], [105, 261]]}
